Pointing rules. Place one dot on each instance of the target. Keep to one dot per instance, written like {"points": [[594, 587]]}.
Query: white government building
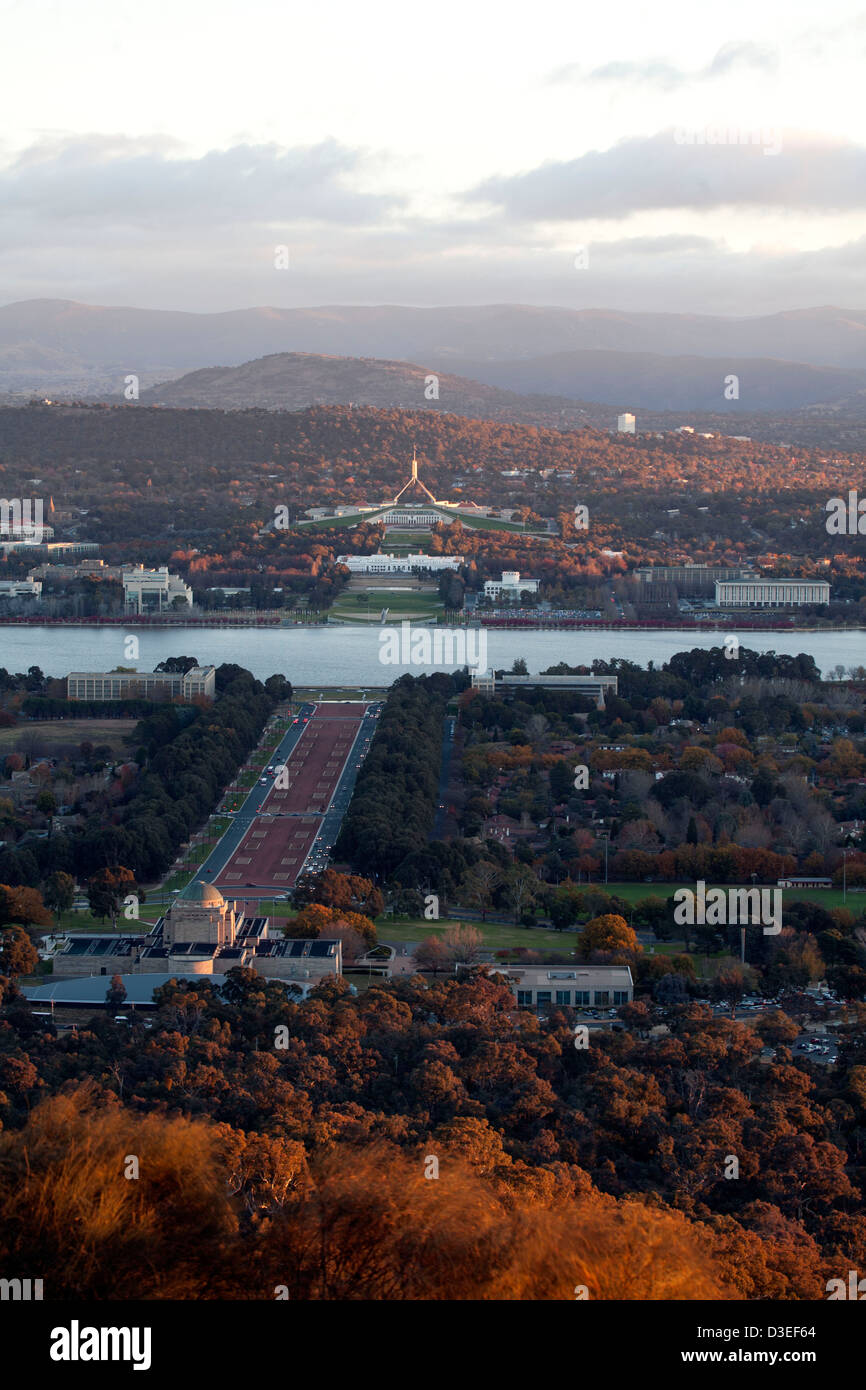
{"points": [[142, 586], [20, 588], [398, 564], [770, 593], [511, 586]]}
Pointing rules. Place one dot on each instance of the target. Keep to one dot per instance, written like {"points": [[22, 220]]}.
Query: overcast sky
{"points": [[680, 157]]}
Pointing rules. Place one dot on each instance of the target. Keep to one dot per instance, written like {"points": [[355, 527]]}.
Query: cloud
{"points": [[719, 166], [665, 77], [116, 182], [117, 221]]}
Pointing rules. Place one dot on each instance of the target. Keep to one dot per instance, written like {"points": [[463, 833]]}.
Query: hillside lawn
{"points": [[332, 522], [72, 731]]}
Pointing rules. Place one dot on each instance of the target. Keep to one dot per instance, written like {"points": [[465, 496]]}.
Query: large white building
{"points": [[20, 588], [511, 586], [398, 564], [144, 588], [625, 423], [771, 593]]}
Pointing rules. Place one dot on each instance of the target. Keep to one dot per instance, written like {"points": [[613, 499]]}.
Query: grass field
{"points": [[71, 731], [412, 542], [489, 523], [330, 522], [826, 897], [496, 936], [401, 603]]}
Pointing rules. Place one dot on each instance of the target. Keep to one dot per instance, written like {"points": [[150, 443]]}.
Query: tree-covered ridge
{"points": [[250, 1151], [393, 806], [186, 756]]}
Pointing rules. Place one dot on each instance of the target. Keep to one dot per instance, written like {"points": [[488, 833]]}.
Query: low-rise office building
{"points": [[142, 685], [577, 987], [592, 686], [63, 573], [691, 578], [771, 593]]}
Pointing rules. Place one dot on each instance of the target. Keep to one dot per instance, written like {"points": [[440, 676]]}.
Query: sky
{"points": [[210, 156]]}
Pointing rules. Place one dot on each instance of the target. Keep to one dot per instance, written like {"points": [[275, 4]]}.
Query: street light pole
{"points": [[603, 835]]}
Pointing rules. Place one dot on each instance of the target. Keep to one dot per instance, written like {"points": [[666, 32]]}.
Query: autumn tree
{"points": [[107, 889], [610, 932], [18, 955]]}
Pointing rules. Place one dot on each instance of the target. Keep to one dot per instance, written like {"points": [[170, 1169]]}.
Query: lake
{"points": [[350, 656]]}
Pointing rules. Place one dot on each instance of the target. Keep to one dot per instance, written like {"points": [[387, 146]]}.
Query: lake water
{"points": [[350, 656]]}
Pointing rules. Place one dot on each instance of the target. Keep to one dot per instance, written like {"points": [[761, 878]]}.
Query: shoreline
{"points": [[504, 624]]}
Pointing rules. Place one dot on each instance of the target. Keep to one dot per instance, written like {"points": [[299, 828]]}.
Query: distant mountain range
{"points": [[653, 381], [646, 361]]}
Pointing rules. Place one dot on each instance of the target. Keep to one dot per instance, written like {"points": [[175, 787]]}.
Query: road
{"points": [[252, 804], [448, 730], [280, 831]]}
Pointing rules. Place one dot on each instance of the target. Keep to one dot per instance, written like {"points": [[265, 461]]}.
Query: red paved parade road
{"points": [[272, 852]]}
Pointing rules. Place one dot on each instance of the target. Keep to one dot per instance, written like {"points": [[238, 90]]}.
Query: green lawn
{"points": [[418, 604], [826, 897], [329, 522], [496, 936], [86, 922], [489, 523]]}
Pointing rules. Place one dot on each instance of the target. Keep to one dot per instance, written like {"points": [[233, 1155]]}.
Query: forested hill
{"points": [[295, 380]]}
